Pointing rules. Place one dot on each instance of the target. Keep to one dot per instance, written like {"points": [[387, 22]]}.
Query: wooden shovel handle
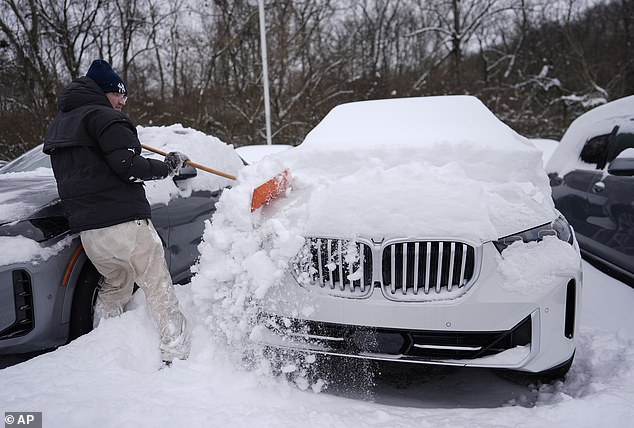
{"points": [[190, 163]]}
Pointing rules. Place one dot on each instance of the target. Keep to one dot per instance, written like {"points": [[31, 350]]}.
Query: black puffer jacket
{"points": [[96, 160]]}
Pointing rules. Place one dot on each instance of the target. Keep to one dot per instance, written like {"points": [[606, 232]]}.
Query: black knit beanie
{"points": [[103, 74]]}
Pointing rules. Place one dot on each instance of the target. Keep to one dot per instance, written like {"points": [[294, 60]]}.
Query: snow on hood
{"points": [[598, 121], [23, 193], [421, 167]]}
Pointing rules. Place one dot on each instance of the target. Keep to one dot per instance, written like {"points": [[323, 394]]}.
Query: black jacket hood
{"points": [[81, 92]]}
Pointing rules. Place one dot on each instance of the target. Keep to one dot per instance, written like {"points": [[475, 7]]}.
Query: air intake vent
{"points": [[23, 300]]}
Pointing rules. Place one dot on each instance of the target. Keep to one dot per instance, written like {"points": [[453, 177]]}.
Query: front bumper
{"points": [[35, 301], [489, 326]]}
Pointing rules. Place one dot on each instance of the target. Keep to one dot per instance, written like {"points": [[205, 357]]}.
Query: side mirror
{"points": [[622, 167], [185, 173], [555, 179]]}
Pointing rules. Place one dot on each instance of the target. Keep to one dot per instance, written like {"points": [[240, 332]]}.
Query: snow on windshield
{"points": [[22, 191]]}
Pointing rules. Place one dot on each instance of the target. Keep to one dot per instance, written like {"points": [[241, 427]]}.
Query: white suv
{"points": [[419, 230]]}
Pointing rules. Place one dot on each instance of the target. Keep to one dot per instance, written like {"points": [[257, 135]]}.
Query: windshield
{"points": [[29, 161]]}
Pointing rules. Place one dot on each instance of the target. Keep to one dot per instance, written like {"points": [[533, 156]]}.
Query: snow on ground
{"points": [[111, 378]]}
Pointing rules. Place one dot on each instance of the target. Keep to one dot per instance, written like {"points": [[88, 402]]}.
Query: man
{"points": [[97, 162]]}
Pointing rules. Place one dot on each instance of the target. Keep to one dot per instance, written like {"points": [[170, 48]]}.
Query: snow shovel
{"points": [[262, 194]]}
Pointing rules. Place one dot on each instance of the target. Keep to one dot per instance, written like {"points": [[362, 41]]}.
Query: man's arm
{"points": [[121, 149]]}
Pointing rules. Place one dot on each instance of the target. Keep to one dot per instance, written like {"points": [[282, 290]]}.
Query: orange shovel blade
{"points": [[269, 190]]}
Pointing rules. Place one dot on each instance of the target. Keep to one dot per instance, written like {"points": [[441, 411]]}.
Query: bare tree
{"points": [[69, 27], [21, 24], [456, 24]]}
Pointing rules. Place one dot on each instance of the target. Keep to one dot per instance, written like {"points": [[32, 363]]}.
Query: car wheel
{"points": [[84, 299]]}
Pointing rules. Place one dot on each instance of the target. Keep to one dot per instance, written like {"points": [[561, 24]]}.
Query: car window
{"points": [[626, 154], [29, 161], [623, 142]]}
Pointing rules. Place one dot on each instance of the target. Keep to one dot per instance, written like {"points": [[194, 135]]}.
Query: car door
{"points": [[570, 193], [611, 208], [160, 220], [187, 218]]}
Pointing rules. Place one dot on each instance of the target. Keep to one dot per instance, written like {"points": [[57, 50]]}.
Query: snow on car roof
{"points": [[256, 152], [598, 121], [201, 148], [412, 121]]}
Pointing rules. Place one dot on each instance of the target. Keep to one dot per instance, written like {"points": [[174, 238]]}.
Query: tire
{"points": [[81, 314]]}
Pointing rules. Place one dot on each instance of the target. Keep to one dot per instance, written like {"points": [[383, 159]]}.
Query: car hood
{"points": [[24, 193], [450, 191]]}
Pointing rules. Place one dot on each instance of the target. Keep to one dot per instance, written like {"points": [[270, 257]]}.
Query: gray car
{"points": [[592, 178], [47, 301]]}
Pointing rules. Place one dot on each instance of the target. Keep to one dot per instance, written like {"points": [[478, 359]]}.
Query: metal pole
{"points": [[265, 72]]}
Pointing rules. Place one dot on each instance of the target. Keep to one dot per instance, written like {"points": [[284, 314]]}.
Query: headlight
{"points": [[39, 229], [559, 228]]}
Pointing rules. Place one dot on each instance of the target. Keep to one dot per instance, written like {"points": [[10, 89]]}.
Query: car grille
{"points": [[413, 268], [405, 270], [419, 345], [341, 267]]}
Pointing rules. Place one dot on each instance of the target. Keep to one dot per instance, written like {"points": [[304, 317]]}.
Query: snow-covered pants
{"points": [[132, 252]]}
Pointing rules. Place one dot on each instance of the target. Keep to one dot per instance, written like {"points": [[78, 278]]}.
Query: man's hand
{"points": [[175, 161]]}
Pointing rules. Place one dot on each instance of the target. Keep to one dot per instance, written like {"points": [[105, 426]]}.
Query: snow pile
{"points": [[256, 152], [532, 267]]}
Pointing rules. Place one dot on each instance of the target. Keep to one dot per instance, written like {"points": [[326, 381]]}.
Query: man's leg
{"points": [[102, 247], [153, 277]]}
